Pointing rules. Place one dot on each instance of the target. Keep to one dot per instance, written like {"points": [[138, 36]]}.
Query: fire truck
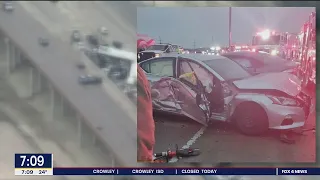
{"points": [[307, 37], [283, 44]]}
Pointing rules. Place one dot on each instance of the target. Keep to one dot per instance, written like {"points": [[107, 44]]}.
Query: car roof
{"points": [[197, 57], [244, 53]]}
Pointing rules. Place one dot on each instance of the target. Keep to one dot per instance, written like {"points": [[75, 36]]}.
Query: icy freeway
{"points": [[57, 63]]}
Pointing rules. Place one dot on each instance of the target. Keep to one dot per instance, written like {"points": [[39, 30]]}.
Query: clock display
{"points": [[33, 160]]}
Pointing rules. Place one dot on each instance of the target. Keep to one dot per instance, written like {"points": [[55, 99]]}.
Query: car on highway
{"points": [[256, 63], [76, 36], [208, 87], [93, 40], [89, 79], [157, 50], [81, 65], [103, 31], [117, 44], [43, 42]]}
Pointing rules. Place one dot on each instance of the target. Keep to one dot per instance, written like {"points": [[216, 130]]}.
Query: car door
{"points": [[160, 73], [188, 94]]}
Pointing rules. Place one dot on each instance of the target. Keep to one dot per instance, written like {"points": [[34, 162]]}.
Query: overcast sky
{"points": [[183, 25]]}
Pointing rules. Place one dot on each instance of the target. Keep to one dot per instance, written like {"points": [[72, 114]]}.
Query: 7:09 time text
{"points": [[26, 171]]}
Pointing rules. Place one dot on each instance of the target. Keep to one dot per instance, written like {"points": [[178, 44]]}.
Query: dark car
{"points": [[43, 42], [89, 79], [93, 40], [76, 36], [256, 63], [81, 65], [117, 44]]}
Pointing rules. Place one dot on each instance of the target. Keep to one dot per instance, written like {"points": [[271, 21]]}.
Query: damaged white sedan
{"points": [[207, 88]]}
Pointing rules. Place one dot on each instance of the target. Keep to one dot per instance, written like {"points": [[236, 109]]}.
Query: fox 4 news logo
{"points": [[295, 171]]}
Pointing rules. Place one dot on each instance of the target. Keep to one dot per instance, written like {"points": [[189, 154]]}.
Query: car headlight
{"points": [[284, 101], [157, 55], [274, 52]]}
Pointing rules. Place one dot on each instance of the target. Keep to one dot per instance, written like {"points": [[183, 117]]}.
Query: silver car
{"points": [[207, 88]]}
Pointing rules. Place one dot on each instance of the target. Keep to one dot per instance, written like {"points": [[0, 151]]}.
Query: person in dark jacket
{"points": [[145, 125]]}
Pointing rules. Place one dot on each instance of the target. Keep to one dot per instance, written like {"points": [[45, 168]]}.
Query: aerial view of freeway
{"points": [[51, 35], [51, 53], [69, 79]]}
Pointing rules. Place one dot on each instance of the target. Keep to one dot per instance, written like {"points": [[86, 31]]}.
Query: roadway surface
{"points": [[58, 62], [87, 16]]}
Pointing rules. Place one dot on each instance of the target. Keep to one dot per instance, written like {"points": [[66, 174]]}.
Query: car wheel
{"points": [[251, 119]]}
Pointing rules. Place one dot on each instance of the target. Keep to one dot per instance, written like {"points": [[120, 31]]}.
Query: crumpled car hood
{"points": [[285, 82]]}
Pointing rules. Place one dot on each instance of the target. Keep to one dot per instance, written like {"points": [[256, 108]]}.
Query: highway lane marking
{"points": [[194, 138]]}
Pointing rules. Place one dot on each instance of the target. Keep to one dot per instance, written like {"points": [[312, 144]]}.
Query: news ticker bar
{"points": [[167, 171]]}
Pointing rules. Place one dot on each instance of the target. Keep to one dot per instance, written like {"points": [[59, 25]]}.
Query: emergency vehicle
{"points": [[241, 48], [307, 37], [281, 44]]}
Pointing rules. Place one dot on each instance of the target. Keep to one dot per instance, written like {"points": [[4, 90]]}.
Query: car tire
{"points": [[251, 119]]}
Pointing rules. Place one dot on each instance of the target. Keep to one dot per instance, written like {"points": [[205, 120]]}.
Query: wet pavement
{"points": [[221, 142]]}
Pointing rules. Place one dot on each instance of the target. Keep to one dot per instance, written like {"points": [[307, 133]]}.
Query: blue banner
{"points": [[164, 171], [298, 171]]}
